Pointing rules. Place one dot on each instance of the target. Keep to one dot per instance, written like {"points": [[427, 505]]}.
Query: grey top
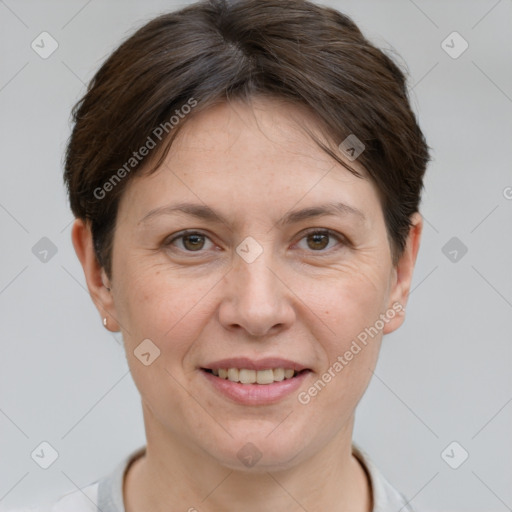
{"points": [[106, 494]]}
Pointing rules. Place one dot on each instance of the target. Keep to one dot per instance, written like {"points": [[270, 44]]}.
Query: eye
{"points": [[317, 240], [190, 241]]}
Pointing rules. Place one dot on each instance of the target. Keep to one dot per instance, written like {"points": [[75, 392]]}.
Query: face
{"points": [[239, 279]]}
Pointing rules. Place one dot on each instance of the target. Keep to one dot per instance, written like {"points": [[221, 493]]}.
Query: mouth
{"points": [[249, 376], [249, 382]]}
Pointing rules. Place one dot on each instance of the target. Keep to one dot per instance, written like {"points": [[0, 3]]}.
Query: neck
{"points": [[173, 475]]}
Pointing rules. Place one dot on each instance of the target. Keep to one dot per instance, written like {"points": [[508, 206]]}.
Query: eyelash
{"points": [[313, 231]]}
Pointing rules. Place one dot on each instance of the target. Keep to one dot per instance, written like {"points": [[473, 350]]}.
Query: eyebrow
{"points": [[205, 213]]}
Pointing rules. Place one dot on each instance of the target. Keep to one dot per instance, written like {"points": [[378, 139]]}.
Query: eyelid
{"points": [[322, 230]]}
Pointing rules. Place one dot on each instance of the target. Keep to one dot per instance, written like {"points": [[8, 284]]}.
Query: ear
{"points": [[402, 275], [100, 288]]}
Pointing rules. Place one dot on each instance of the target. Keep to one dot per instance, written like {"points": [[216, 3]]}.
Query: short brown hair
{"points": [[215, 50]]}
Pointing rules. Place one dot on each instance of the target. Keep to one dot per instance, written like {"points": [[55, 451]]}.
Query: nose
{"points": [[256, 299]]}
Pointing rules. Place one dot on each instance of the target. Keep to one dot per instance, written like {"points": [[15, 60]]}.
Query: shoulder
{"points": [[104, 494], [385, 497], [83, 500]]}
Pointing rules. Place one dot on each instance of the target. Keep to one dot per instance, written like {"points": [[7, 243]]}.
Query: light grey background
{"points": [[444, 376]]}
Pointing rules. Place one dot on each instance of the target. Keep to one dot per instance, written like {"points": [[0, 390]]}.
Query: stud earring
{"points": [[105, 322]]}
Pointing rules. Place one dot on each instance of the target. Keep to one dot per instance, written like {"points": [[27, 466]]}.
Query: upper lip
{"points": [[252, 364]]}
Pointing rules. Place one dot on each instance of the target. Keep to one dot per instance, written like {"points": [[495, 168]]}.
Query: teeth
{"points": [[246, 376], [233, 374], [278, 374], [265, 376], [288, 374]]}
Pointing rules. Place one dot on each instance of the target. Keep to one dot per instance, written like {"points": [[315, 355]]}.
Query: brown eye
{"points": [[190, 242], [318, 241], [193, 242]]}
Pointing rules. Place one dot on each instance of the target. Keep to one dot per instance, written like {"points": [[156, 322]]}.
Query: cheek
{"points": [[165, 308], [349, 309], [350, 356], [349, 301], [360, 304], [171, 313]]}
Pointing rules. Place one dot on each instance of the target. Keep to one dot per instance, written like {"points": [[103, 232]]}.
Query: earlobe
{"points": [[98, 283], [403, 274]]}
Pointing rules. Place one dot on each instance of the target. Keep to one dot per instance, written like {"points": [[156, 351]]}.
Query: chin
{"points": [[260, 449]]}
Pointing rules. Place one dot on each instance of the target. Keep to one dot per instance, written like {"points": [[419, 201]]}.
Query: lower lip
{"points": [[255, 394]]}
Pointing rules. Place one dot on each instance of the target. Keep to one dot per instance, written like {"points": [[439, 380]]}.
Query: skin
{"points": [[303, 299]]}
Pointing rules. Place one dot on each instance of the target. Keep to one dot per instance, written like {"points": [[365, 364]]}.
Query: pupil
{"points": [[317, 239], [197, 241]]}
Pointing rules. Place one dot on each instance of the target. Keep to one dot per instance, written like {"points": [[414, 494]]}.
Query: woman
{"points": [[246, 179]]}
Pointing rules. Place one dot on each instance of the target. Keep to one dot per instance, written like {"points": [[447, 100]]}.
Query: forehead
{"points": [[256, 154], [264, 127]]}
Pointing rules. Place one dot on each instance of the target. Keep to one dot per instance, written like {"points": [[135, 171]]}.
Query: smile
{"points": [[250, 387], [248, 376]]}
